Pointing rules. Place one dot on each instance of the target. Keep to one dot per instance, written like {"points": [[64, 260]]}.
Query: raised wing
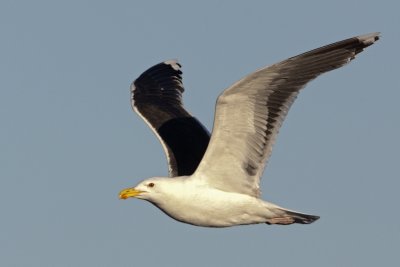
{"points": [[157, 98], [250, 112]]}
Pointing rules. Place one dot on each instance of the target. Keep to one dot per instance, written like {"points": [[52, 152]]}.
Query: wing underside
{"points": [[250, 112]]}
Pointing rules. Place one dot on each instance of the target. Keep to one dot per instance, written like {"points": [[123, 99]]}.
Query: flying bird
{"points": [[214, 181]]}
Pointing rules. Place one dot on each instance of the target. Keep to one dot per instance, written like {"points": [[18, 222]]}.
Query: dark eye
{"points": [[151, 185]]}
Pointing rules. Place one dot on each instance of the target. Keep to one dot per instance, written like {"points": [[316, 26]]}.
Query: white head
{"points": [[154, 189]]}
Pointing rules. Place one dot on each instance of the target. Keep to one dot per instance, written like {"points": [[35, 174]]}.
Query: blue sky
{"points": [[69, 141]]}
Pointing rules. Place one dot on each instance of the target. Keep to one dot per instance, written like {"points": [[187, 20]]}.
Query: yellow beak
{"points": [[129, 192]]}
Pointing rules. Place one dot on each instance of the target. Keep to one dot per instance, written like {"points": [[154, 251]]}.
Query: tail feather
{"points": [[289, 217], [302, 217]]}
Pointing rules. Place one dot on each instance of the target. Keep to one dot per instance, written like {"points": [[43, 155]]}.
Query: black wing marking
{"points": [[157, 98]]}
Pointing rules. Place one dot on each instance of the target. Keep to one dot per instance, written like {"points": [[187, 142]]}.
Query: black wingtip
{"points": [[173, 63], [368, 39]]}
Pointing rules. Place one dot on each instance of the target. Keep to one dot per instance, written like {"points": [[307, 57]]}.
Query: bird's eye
{"points": [[151, 185]]}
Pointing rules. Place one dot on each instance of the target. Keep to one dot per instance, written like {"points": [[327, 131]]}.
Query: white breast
{"points": [[205, 206]]}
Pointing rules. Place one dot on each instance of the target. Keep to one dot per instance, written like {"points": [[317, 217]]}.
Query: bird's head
{"points": [[150, 189]]}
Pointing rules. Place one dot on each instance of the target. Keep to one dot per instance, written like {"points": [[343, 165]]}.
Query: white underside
{"points": [[205, 206]]}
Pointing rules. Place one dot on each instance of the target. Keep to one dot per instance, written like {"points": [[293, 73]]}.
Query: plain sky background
{"points": [[69, 141]]}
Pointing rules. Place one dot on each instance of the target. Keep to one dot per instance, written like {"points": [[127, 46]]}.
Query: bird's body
{"points": [[207, 206], [211, 207], [214, 181]]}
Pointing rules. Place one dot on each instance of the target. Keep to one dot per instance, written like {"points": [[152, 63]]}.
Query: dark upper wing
{"points": [[157, 98]]}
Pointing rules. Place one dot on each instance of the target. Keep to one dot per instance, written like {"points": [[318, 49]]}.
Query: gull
{"points": [[214, 181]]}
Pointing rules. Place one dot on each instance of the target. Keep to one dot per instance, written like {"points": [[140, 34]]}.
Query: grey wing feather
{"points": [[250, 112]]}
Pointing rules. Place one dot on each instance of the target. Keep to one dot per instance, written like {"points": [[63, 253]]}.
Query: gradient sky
{"points": [[69, 141]]}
